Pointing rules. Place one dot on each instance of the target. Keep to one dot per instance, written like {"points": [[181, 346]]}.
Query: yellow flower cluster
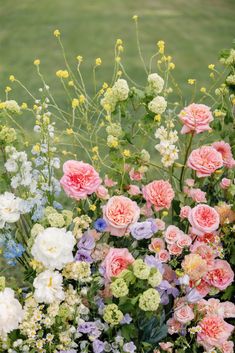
{"points": [[62, 74]]}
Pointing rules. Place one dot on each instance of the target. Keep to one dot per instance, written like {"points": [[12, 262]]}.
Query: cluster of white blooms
{"points": [[166, 147], [157, 105], [48, 287], [12, 105], [230, 80], [156, 83], [118, 93], [11, 208]]}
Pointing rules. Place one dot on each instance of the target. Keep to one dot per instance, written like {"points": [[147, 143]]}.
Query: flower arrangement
{"points": [[127, 248]]}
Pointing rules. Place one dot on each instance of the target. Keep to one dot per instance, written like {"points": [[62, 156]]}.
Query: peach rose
{"points": [[172, 234], [196, 118], [183, 314], [184, 212], [174, 326], [156, 245], [79, 179], [197, 195], [133, 190], [214, 332], [158, 193], [119, 213], [102, 193], [194, 266], [225, 183], [116, 261], [161, 225], [109, 182], [205, 251], [220, 275], [174, 249], [228, 309], [224, 149], [184, 241], [203, 219], [205, 160], [163, 255]]}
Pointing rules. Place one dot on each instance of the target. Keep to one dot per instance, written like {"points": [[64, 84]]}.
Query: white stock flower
{"points": [[121, 89], [9, 208], [53, 247], [156, 83], [158, 105], [11, 312], [48, 287]]}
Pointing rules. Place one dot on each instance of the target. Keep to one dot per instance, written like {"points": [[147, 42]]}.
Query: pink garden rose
{"points": [[109, 182], [197, 195], [119, 213], [158, 193], [203, 219], [135, 175], [220, 275], [214, 332], [204, 250], [172, 234], [116, 261], [225, 183], [196, 118], [205, 160], [166, 346], [174, 326], [184, 241], [183, 314], [102, 193], [79, 180], [184, 212], [156, 245], [163, 255], [133, 190], [224, 149], [174, 249], [228, 347]]}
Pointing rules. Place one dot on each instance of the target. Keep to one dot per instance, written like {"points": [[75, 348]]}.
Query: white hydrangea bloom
{"points": [[53, 247], [48, 287], [158, 105], [156, 83], [9, 208], [121, 89], [11, 312]]}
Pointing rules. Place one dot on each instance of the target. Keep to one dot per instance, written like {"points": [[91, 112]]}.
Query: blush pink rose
{"points": [[116, 261], [197, 195], [174, 249], [224, 149], [161, 225], [184, 314], [228, 309], [220, 275], [184, 212], [166, 346], [214, 332], [190, 182], [205, 160], [109, 182], [172, 234], [205, 251], [163, 255], [228, 347], [225, 183], [133, 190], [158, 193], [135, 175], [102, 193], [203, 219], [156, 245], [119, 213], [79, 180], [184, 241], [146, 211], [196, 118], [174, 326]]}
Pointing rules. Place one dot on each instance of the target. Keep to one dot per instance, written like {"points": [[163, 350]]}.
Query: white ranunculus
{"points": [[158, 105], [11, 312], [156, 83], [48, 287], [9, 208], [53, 247], [121, 89]]}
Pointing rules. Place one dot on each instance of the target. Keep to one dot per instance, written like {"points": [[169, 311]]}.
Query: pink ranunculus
{"points": [[220, 275], [119, 213], [203, 219], [228, 347], [116, 261], [174, 326], [109, 182], [205, 160], [133, 190], [174, 249], [214, 332], [225, 183], [184, 241], [183, 314], [156, 245], [172, 234], [224, 149], [158, 193], [135, 175], [79, 180], [196, 118], [163, 255], [197, 195], [184, 212], [102, 193]]}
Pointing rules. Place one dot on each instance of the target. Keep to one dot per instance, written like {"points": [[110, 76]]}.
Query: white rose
{"points": [[156, 83], [121, 89], [53, 247], [11, 312], [158, 105], [48, 287], [9, 208]]}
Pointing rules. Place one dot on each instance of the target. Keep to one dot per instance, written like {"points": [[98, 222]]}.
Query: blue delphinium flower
{"points": [[13, 251], [100, 225]]}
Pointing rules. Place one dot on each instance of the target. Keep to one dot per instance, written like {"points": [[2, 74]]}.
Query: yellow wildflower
{"points": [[126, 153], [171, 66], [203, 89], [36, 62], [75, 103], [119, 42], [56, 33], [98, 62], [95, 149], [7, 89], [157, 118], [92, 207], [62, 74], [161, 46], [71, 83], [12, 78], [191, 81], [79, 58], [36, 148], [212, 75], [82, 99], [24, 106], [69, 131], [211, 67], [135, 18]]}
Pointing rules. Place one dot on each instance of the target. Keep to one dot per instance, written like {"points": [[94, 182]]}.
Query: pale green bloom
{"points": [[56, 220], [119, 288], [68, 217], [2, 283], [140, 269], [114, 129], [112, 315], [36, 229], [7, 134], [149, 300], [155, 277]]}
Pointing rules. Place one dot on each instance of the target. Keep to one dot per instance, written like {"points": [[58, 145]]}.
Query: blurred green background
{"points": [[194, 31]]}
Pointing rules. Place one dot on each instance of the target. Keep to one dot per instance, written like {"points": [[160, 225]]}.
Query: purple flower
{"points": [[100, 225], [87, 327], [129, 347], [83, 255], [98, 346], [126, 319], [69, 351], [87, 242], [151, 261], [193, 296], [143, 230], [165, 289]]}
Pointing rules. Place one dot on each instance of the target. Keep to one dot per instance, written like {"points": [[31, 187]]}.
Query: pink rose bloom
{"points": [[205, 160], [214, 332], [225, 183], [197, 195], [116, 261], [183, 314], [161, 225], [203, 287], [119, 213], [184, 212], [227, 347], [196, 118], [224, 149], [146, 211], [134, 190], [109, 182], [79, 179], [194, 266], [203, 219], [190, 182], [102, 193], [220, 275], [205, 251], [228, 309], [163, 256], [135, 175], [156, 245], [172, 234], [174, 249], [166, 346], [184, 241], [174, 326], [158, 193], [224, 309]]}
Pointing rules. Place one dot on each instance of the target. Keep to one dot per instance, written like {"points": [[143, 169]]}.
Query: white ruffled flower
{"points": [[12, 105], [53, 247], [156, 83], [48, 287], [158, 105], [11, 312], [9, 208], [121, 89]]}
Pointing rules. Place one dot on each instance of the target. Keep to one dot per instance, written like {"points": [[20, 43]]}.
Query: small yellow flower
{"points": [[2, 105], [71, 83], [157, 118], [75, 103], [218, 113], [82, 99], [164, 213], [69, 131], [62, 74], [105, 85], [95, 149], [203, 89], [7, 89], [64, 153], [191, 81], [119, 73], [56, 33], [118, 59], [126, 153], [92, 207], [36, 148], [212, 75], [24, 106], [171, 66], [135, 18], [119, 42], [36, 62], [161, 46], [219, 171], [79, 58], [12, 78], [211, 67], [95, 157], [120, 48], [98, 62], [35, 107]]}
